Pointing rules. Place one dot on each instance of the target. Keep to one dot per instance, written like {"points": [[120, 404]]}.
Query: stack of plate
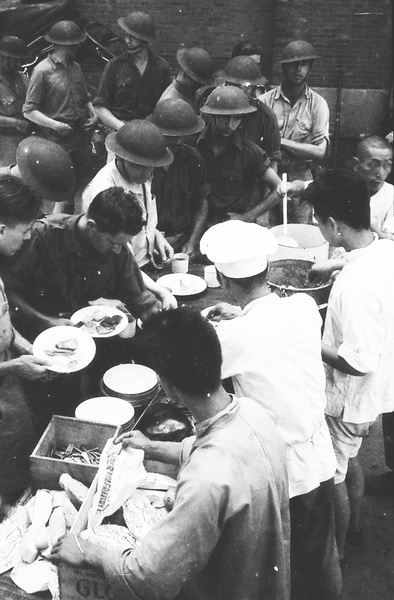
{"points": [[136, 384], [106, 409]]}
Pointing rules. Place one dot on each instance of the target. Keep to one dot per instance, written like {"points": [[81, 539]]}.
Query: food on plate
{"points": [[100, 323], [63, 348]]}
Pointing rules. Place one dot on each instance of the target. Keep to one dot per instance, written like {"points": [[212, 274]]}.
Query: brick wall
{"points": [[354, 35]]}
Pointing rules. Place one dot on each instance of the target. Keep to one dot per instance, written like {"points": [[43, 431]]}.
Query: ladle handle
{"points": [[284, 184]]}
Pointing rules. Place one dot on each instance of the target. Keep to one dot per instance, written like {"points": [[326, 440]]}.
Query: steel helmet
{"points": [[227, 100], [14, 47], [242, 70], [46, 168], [65, 33], [175, 117], [298, 50], [140, 142], [197, 63], [139, 25]]}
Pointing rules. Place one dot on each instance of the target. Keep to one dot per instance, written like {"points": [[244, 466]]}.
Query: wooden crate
{"points": [[61, 431], [76, 583]]}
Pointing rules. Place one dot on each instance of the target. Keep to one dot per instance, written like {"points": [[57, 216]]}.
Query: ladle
{"points": [[286, 240]]}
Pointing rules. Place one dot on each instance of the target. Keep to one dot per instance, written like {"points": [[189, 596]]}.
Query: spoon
{"points": [[286, 240]]}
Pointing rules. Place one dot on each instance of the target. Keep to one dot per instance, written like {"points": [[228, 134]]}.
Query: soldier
{"points": [[181, 189], [58, 100], [303, 119], [13, 88], [133, 82], [261, 126], [196, 71]]}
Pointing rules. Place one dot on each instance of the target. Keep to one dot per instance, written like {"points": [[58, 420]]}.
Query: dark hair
{"points": [[17, 203], [246, 48], [248, 283], [184, 349], [341, 194], [116, 210], [372, 141]]}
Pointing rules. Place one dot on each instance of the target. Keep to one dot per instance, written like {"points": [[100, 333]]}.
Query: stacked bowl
{"points": [[106, 409], [133, 383]]}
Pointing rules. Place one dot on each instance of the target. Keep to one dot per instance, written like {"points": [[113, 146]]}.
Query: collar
{"points": [[58, 63], [354, 254], [267, 299], [221, 418], [73, 241], [280, 93]]}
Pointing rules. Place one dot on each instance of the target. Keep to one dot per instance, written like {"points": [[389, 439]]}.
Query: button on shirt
{"points": [[109, 176], [261, 127], [227, 537], [128, 94], [58, 91], [232, 173], [360, 324], [308, 116], [273, 354], [179, 189]]}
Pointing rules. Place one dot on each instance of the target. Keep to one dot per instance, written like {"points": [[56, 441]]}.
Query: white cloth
{"points": [[360, 324], [382, 209], [273, 353], [109, 176]]}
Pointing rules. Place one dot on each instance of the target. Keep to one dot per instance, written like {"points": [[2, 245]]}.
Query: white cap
{"points": [[238, 249]]}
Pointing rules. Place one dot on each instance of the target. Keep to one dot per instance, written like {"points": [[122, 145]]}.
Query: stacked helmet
{"points": [[46, 169], [13, 47], [175, 117], [65, 33], [140, 142], [242, 70], [197, 63], [139, 25], [227, 100], [298, 50]]}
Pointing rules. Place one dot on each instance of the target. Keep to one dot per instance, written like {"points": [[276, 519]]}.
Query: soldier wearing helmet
{"points": [[237, 168], [303, 119], [13, 88], [138, 148], [195, 71], [47, 170], [58, 100], [261, 126], [181, 189], [133, 82]]}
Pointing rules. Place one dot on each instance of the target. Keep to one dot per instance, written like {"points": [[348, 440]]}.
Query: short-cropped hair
{"points": [[372, 141], [116, 210], [341, 194], [184, 349], [17, 203]]}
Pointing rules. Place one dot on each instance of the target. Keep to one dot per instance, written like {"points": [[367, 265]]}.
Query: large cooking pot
{"points": [[290, 276], [166, 423]]}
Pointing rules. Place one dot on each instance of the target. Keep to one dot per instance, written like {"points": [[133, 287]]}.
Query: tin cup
{"points": [[180, 263], [130, 330], [210, 276]]}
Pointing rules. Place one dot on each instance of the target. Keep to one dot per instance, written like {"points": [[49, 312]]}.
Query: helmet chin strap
{"points": [[136, 49]]}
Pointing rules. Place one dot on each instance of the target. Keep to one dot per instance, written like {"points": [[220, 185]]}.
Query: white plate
{"points": [[183, 284], [83, 355], [130, 379], [87, 313], [105, 409]]}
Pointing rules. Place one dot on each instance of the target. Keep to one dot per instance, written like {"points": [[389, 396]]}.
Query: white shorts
{"points": [[346, 440]]}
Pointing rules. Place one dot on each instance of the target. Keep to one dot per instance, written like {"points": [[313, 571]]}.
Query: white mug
{"points": [[210, 276], [180, 263]]}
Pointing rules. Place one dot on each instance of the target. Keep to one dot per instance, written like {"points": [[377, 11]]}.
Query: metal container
{"points": [[311, 243], [290, 276]]}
